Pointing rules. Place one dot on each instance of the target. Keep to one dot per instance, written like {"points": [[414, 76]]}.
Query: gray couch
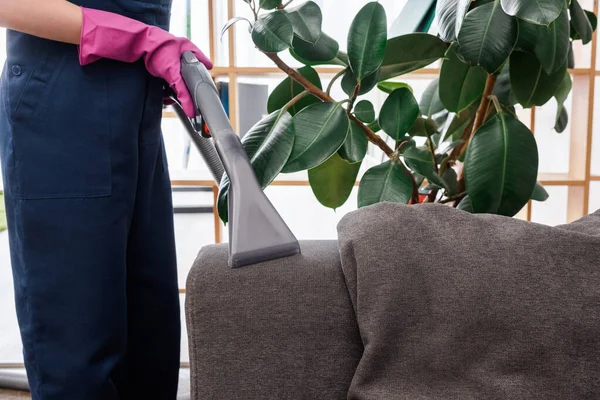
{"points": [[421, 302]]}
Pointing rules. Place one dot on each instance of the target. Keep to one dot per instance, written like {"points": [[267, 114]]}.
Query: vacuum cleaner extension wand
{"points": [[257, 232]]}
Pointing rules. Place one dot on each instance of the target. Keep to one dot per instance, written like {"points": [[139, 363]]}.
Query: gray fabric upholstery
{"points": [[455, 306], [281, 330]]}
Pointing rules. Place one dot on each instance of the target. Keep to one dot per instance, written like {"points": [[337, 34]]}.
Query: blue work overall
{"points": [[90, 219]]}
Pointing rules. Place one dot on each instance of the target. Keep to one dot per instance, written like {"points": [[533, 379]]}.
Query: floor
{"points": [[12, 395], [184, 389]]}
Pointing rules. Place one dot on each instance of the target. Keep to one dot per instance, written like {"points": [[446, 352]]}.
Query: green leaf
{"points": [[3, 223], [269, 4], [321, 129], [389, 86], [552, 43], [398, 113], [323, 51], [407, 53], [539, 193], [268, 146], [443, 154], [530, 84], [232, 22], [593, 19], [571, 57], [465, 205], [561, 95], [367, 39], [593, 22], [338, 60], [289, 88], [423, 127], [541, 12], [355, 146], [487, 37], [332, 182], [365, 111], [367, 84], [503, 89], [307, 21], [273, 32], [528, 36], [460, 84], [450, 15], [562, 119], [388, 182], [451, 179], [580, 22], [374, 126], [421, 161], [501, 166], [430, 103], [457, 123], [223, 199]]}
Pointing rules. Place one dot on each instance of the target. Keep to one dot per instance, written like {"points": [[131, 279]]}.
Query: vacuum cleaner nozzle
{"points": [[257, 233]]}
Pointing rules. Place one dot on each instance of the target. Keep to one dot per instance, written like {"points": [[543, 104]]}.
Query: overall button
{"points": [[16, 70]]}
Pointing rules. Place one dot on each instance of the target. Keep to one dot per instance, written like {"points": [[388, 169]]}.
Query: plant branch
{"points": [[282, 6], [490, 83], [253, 7], [335, 78], [458, 150], [486, 99], [371, 136], [293, 101], [480, 117], [432, 150], [353, 98]]}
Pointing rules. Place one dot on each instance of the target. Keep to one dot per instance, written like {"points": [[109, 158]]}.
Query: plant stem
{"points": [[477, 122], [371, 136], [293, 101], [432, 150], [282, 6], [494, 100], [335, 78], [352, 100], [490, 83], [458, 150], [433, 194], [253, 7]]}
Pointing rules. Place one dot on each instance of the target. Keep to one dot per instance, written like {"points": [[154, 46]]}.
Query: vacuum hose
{"points": [[13, 378], [205, 146]]}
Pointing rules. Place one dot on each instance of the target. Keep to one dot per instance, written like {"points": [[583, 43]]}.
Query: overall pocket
{"points": [[60, 127]]}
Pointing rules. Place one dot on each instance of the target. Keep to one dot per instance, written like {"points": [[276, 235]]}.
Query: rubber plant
{"points": [[461, 144]]}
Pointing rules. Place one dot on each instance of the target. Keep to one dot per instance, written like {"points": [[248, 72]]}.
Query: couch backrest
{"points": [[284, 329]]}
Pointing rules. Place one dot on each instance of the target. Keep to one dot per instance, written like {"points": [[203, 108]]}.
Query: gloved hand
{"points": [[109, 35]]}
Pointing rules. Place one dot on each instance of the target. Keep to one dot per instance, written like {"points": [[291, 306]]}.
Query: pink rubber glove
{"points": [[113, 36]]}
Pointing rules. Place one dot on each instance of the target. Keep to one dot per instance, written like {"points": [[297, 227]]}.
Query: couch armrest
{"points": [[284, 329]]}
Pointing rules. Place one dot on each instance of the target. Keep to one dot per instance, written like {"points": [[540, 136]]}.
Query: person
{"points": [[88, 195]]}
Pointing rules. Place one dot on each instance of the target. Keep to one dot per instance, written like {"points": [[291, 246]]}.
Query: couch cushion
{"points": [[458, 306], [283, 329]]}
